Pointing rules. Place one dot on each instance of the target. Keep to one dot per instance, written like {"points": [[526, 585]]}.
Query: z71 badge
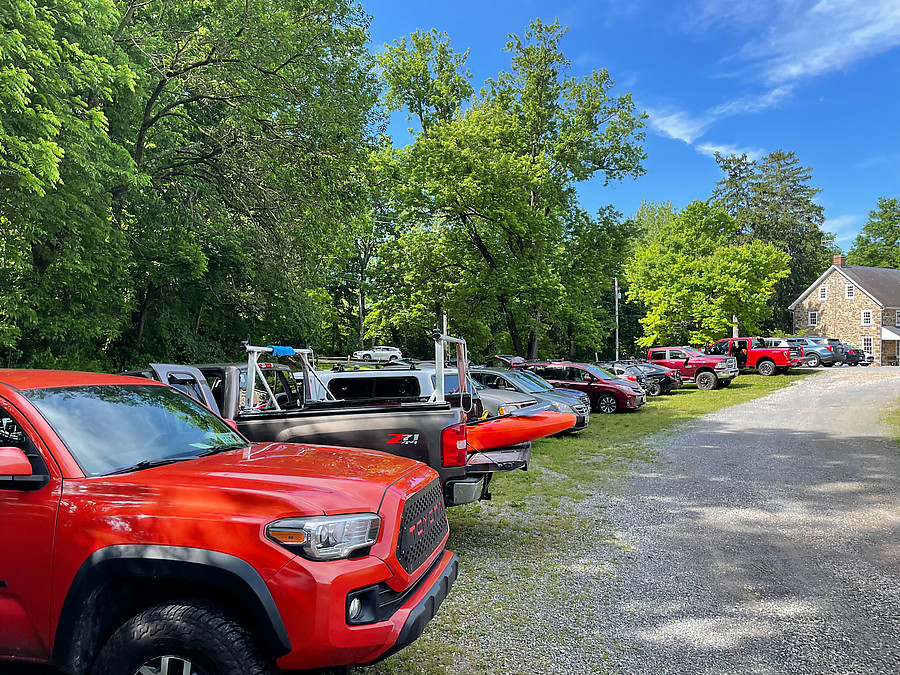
{"points": [[404, 439]]}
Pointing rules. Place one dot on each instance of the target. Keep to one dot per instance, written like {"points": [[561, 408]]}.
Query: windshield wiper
{"points": [[222, 448], [148, 464]]}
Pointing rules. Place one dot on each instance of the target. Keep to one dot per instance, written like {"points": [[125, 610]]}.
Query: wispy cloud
{"points": [[710, 150], [845, 227], [677, 124], [795, 39], [753, 104]]}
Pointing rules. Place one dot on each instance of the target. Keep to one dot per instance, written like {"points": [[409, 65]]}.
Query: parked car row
{"points": [[176, 502], [823, 351]]}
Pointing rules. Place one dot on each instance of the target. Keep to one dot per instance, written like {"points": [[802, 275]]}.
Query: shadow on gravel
{"points": [[769, 547]]}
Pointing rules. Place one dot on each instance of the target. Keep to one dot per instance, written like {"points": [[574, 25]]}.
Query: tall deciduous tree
{"points": [[492, 186], [878, 245], [693, 278]]}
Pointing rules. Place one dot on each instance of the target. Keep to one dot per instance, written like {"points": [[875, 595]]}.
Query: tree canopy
{"points": [[694, 275], [878, 245]]}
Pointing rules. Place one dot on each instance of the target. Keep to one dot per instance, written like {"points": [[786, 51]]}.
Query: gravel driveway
{"points": [[766, 539]]}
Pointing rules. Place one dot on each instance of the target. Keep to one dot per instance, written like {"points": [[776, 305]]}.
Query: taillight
{"points": [[831, 349], [631, 377], [453, 446]]}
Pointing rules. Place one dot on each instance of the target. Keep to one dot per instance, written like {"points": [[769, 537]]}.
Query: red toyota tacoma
{"points": [[753, 353], [143, 534], [707, 372]]}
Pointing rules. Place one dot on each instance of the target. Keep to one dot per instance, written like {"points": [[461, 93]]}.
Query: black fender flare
{"points": [[77, 639]]}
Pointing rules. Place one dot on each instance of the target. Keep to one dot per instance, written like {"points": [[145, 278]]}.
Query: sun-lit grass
{"points": [[511, 548]]}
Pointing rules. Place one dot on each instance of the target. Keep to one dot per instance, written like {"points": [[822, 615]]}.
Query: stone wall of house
{"points": [[841, 317]]}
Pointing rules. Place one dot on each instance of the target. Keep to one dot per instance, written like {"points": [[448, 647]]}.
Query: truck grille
{"points": [[580, 409], [422, 526]]}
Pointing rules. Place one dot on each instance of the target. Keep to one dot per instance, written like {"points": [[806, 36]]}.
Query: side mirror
{"points": [[13, 462]]}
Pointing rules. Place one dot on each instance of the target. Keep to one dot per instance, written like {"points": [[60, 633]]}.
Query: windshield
{"points": [[599, 373], [109, 428], [531, 383]]}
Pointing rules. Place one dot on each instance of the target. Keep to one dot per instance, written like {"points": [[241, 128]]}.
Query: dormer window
{"points": [[851, 292], [823, 292]]}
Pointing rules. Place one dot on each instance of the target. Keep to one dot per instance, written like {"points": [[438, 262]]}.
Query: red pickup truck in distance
{"points": [[753, 353], [707, 372], [143, 534]]}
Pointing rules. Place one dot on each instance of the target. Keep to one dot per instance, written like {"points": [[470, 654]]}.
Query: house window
{"points": [[897, 318], [851, 292], [867, 346], [823, 292], [813, 319], [866, 317]]}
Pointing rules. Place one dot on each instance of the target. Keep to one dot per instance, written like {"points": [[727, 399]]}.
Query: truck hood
{"points": [[281, 477]]}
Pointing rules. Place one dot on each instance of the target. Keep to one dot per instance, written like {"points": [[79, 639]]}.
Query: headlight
{"points": [[563, 408], [326, 537]]}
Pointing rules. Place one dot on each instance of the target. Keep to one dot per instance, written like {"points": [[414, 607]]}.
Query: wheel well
{"points": [[764, 360], [105, 594], [700, 371]]}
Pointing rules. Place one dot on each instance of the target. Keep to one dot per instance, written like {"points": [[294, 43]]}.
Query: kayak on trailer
{"points": [[498, 432]]}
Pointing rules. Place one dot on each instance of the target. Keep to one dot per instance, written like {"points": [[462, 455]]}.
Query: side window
{"points": [[14, 436], [396, 387], [575, 374], [658, 355], [216, 384], [677, 354], [185, 383], [351, 387], [719, 349]]}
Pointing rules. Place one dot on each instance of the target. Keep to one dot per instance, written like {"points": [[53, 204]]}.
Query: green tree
{"points": [[693, 278], [772, 202], [878, 245], [492, 186]]}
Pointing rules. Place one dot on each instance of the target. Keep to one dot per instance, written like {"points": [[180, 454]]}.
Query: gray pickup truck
{"points": [[431, 432]]}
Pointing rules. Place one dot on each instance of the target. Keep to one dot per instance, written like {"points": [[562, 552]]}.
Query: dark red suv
{"points": [[608, 394]]}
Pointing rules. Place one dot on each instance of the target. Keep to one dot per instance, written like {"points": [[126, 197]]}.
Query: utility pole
{"points": [[616, 279]]}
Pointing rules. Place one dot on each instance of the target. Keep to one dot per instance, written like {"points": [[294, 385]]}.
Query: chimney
{"points": [[840, 260]]}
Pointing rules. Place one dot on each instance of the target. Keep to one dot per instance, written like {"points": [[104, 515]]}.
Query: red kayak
{"points": [[502, 431]]}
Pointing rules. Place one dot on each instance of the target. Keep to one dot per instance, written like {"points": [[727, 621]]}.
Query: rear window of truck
{"points": [[350, 388]]}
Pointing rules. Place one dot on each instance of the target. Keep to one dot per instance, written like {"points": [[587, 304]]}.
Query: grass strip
{"points": [[529, 564]]}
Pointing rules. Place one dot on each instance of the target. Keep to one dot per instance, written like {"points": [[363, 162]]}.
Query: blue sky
{"points": [[821, 79]]}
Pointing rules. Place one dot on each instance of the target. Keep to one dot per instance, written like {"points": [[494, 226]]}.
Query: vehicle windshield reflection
{"points": [[109, 428]]}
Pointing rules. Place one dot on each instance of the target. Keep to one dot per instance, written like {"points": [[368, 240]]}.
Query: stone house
{"points": [[856, 305]]}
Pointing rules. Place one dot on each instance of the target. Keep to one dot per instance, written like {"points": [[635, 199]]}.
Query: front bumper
{"points": [[727, 373], [312, 597], [635, 401], [426, 609]]}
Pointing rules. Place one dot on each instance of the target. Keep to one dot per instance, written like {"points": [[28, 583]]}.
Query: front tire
{"points": [[181, 638], [655, 389], [766, 368], [367, 357], [607, 404], [707, 381], [814, 361]]}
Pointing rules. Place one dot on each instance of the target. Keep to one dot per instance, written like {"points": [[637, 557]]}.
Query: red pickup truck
{"points": [[707, 372], [753, 353], [143, 534]]}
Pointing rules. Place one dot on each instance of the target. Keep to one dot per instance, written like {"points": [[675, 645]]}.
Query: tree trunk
{"points": [[533, 338], [735, 329], [513, 329], [362, 318]]}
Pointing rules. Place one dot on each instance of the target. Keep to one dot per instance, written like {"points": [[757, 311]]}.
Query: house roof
{"points": [[882, 284]]}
